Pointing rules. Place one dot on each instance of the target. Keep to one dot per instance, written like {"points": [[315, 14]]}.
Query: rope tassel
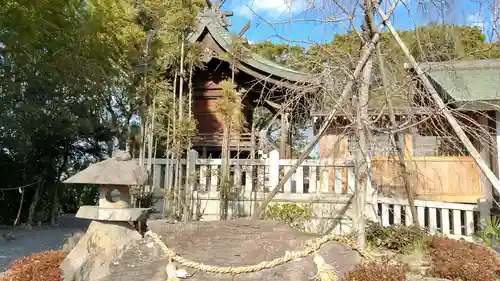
{"points": [[171, 272], [325, 272]]}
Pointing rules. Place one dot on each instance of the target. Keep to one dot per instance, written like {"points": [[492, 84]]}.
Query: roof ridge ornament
{"points": [[224, 21]]}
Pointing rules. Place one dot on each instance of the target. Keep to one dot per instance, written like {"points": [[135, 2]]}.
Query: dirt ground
{"points": [[228, 243], [23, 242]]}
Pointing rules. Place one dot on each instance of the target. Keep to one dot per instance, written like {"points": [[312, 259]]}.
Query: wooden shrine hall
{"points": [[261, 82]]}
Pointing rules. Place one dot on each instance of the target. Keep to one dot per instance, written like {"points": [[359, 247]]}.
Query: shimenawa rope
{"points": [[289, 256]]}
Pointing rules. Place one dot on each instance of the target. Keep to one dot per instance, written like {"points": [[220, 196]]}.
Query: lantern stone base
{"points": [[112, 214], [102, 244]]}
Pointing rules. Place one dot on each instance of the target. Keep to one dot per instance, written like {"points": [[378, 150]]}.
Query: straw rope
{"points": [[289, 256]]}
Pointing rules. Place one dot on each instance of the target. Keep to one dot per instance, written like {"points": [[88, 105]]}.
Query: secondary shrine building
{"points": [[261, 82]]}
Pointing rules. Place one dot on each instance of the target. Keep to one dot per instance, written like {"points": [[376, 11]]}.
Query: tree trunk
{"points": [[54, 213], [187, 211], [224, 190], [173, 188], [18, 217], [110, 147], [363, 156], [33, 205]]}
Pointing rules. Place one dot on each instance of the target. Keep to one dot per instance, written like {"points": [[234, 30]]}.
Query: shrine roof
{"points": [[466, 80], [210, 20]]}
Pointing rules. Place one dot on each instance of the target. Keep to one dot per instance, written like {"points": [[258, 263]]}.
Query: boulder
{"points": [[93, 255], [228, 243]]}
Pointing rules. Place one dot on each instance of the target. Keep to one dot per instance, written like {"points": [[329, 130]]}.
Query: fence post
{"points": [[274, 168], [484, 212], [191, 179], [371, 200], [156, 176]]}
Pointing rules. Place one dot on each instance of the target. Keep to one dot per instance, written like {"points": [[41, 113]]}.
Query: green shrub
{"points": [[290, 213], [398, 238], [461, 260], [490, 235], [377, 271]]}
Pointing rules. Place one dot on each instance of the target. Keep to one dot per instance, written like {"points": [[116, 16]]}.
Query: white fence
{"points": [[326, 186]]}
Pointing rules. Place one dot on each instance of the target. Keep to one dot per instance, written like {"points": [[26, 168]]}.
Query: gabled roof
{"points": [[466, 80], [211, 21]]}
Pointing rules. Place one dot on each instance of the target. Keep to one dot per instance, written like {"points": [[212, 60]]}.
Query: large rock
{"points": [[102, 244], [228, 243]]}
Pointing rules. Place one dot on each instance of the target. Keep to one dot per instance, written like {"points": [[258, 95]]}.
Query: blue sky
{"points": [[267, 17]]}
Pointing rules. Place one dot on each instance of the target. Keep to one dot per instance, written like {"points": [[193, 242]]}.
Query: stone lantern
{"points": [[111, 231], [114, 175]]}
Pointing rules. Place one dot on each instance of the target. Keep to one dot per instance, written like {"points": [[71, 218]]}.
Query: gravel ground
{"points": [[27, 242]]}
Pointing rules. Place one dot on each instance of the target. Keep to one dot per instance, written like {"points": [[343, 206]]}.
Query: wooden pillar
{"points": [[497, 139], [289, 139], [484, 151], [253, 142], [285, 147]]}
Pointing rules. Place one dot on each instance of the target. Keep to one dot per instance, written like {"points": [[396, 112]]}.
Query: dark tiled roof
{"points": [[210, 20], [467, 80]]}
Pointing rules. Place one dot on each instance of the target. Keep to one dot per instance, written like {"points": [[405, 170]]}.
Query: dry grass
{"points": [[374, 271], [43, 266]]}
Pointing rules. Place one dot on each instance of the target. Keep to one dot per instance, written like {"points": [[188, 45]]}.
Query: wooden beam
{"points": [[420, 110], [245, 28]]}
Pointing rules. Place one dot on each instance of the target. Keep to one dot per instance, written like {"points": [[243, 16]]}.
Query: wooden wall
{"points": [[207, 91], [455, 179], [446, 179]]}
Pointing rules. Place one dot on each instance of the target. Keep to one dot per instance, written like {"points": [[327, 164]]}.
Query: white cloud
{"points": [[272, 8], [476, 19], [279, 6], [243, 11]]}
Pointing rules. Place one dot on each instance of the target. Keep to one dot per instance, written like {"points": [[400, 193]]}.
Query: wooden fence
{"points": [[443, 178], [329, 194]]}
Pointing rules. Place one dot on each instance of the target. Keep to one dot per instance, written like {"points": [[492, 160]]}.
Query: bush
{"points": [[377, 271], [291, 213], [42, 266], [398, 238], [490, 235], [461, 260]]}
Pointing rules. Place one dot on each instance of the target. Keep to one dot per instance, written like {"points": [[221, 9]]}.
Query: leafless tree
{"points": [[349, 91]]}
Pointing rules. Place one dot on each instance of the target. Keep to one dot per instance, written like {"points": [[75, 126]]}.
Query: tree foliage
{"points": [[73, 86]]}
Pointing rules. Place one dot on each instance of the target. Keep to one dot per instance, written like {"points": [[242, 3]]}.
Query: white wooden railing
{"points": [[261, 175], [327, 183], [450, 219]]}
